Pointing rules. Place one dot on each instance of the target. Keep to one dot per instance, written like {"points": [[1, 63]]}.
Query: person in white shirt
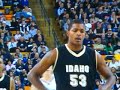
{"points": [[114, 63], [17, 35], [48, 80], [12, 44]]}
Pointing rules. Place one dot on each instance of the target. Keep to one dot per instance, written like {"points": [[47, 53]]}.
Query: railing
{"points": [[48, 22], [45, 15]]}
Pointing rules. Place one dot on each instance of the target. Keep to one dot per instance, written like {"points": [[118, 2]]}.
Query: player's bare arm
{"points": [[12, 84], [104, 70], [37, 71]]}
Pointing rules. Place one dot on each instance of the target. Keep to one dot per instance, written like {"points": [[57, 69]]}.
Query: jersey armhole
{"points": [[55, 59], [96, 58]]}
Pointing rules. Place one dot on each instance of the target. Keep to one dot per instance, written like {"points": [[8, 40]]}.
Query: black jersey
{"points": [[75, 71], [5, 83]]}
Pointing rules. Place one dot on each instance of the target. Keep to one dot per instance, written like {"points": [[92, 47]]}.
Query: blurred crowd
{"points": [[21, 43]]}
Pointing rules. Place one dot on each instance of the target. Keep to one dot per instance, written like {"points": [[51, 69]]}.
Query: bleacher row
{"points": [[21, 43]]}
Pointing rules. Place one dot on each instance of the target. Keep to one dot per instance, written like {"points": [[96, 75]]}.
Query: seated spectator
{"points": [[1, 3], [14, 24], [33, 31], [12, 45], [23, 27], [37, 35], [32, 54], [5, 27], [27, 35], [116, 49], [87, 41], [17, 52], [30, 44], [40, 48], [87, 25], [19, 66], [109, 48], [43, 52], [2, 44], [17, 35], [36, 59], [16, 57], [6, 55], [114, 63], [9, 65], [22, 44], [39, 41], [109, 35], [91, 34], [99, 29], [99, 46]]}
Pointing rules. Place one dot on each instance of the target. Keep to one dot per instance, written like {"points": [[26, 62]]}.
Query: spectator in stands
{"points": [[17, 35], [27, 35], [40, 48], [109, 48], [28, 65], [37, 35], [22, 45], [6, 55], [87, 41], [39, 41], [1, 44], [116, 49], [23, 27], [87, 25], [36, 59], [1, 3], [12, 44], [99, 46], [99, 29], [9, 65], [19, 66], [14, 24], [16, 57], [32, 54], [61, 9], [19, 53], [114, 64], [30, 44], [33, 31], [43, 52], [5, 27], [109, 35]]}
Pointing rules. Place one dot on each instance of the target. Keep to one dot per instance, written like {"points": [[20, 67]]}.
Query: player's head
{"points": [[76, 32]]}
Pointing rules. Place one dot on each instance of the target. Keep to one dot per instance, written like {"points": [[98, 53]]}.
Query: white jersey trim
{"points": [[96, 57], [75, 54], [55, 59], [3, 76]]}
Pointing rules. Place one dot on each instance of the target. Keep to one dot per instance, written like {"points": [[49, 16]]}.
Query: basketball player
{"points": [[6, 83], [75, 65]]}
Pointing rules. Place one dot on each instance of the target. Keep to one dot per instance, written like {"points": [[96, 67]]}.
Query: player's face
{"points": [[76, 34]]}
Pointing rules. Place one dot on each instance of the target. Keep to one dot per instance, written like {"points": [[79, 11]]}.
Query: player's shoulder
{"points": [[90, 49]]}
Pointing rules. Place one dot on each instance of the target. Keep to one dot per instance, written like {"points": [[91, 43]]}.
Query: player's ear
{"points": [[67, 33]]}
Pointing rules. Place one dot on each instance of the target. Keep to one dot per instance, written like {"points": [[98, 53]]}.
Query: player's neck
{"points": [[75, 47]]}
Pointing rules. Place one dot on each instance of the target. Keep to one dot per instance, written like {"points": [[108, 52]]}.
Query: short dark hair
{"points": [[77, 21]]}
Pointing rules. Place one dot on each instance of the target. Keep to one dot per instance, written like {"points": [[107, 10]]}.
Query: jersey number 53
{"points": [[76, 80]]}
